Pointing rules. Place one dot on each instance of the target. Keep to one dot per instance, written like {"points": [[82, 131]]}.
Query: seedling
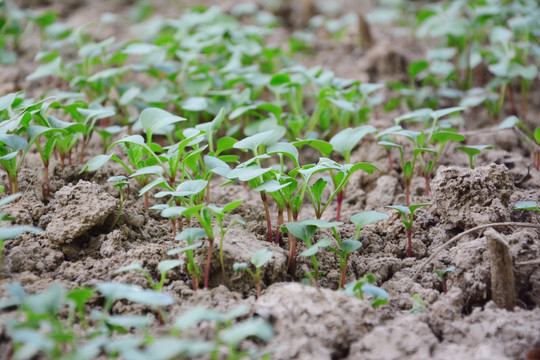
{"points": [[363, 287], [305, 230], [259, 259], [220, 214], [121, 181], [418, 305], [528, 205], [164, 267], [472, 151], [13, 149], [190, 235], [443, 274], [532, 136], [407, 217]]}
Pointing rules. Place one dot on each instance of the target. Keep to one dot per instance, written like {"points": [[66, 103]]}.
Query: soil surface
{"points": [[81, 248]]}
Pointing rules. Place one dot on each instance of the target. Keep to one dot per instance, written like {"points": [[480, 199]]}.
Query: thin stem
{"points": [[427, 177], [119, 209], [444, 286], [146, 202], [407, 191], [339, 202], [208, 261], [258, 285], [267, 214], [390, 163], [409, 241], [343, 275], [280, 221], [292, 246]]}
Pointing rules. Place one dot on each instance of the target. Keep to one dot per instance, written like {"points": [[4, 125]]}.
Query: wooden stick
{"points": [[503, 292]]}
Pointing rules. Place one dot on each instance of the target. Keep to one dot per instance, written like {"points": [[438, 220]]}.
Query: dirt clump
{"points": [[467, 198], [75, 210], [313, 323]]}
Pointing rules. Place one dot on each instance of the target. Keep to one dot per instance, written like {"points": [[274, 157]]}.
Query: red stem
{"points": [[258, 287], [208, 261], [267, 213], [280, 221], [344, 273], [537, 160], [444, 286], [390, 163], [83, 146], [146, 202], [427, 184], [339, 198]]}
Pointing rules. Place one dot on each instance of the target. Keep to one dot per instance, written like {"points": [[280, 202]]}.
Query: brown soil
{"points": [[79, 248]]}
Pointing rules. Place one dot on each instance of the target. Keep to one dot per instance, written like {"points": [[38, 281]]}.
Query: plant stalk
{"points": [[339, 198], [208, 261], [343, 275], [267, 214], [409, 242]]}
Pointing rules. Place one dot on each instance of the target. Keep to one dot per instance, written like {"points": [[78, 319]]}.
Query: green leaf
{"points": [[256, 327], [472, 150], [261, 257], [367, 217], [301, 231], [414, 207], [403, 210], [345, 141], [129, 321], [323, 147], [283, 148], [184, 249], [242, 266], [148, 170], [280, 79], [195, 103], [437, 114], [254, 141], [527, 205], [48, 302], [271, 186], [247, 173], [134, 267], [165, 265], [191, 234], [7, 100], [117, 291], [317, 189], [153, 119], [321, 223], [12, 232], [445, 136], [350, 246], [173, 211]]}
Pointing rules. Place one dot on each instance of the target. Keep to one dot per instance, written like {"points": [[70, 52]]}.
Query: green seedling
{"points": [[418, 305], [120, 181], [344, 142], [363, 287], [443, 274], [190, 235], [527, 205], [163, 267], [347, 247], [13, 150], [407, 217], [473, 151], [304, 230], [259, 259], [220, 213]]}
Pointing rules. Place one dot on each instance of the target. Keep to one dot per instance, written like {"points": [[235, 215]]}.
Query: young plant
{"points": [[304, 230], [13, 149], [418, 305], [350, 245], [163, 267], [473, 151], [120, 181], [443, 274], [190, 235], [363, 287], [220, 213], [344, 142], [407, 217], [259, 259]]}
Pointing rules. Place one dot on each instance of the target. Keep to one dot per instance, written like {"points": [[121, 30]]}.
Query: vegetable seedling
{"points": [[163, 267], [190, 235], [259, 259], [121, 181], [305, 230], [418, 305], [472, 151], [443, 274], [407, 217], [362, 287]]}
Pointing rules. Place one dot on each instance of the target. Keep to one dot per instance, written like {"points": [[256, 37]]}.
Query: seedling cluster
{"points": [[202, 102]]}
